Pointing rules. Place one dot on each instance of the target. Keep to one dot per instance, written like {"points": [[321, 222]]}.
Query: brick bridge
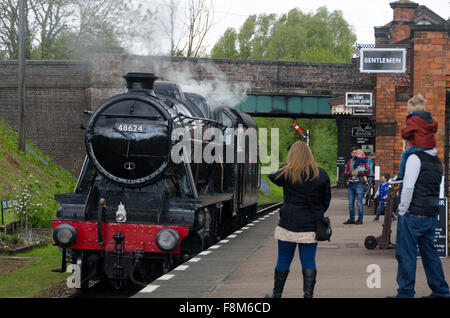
{"points": [[58, 91]]}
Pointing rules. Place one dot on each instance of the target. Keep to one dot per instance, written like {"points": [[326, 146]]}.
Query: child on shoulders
{"points": [[419, 131]]}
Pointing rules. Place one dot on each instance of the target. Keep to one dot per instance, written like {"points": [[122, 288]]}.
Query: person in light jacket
{"points": [[305, 187]]}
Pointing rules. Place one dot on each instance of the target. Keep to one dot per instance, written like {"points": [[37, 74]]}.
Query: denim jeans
{"points": [[286, 251], [355, 191], [418, 232], [380, 208], [405, 154]]}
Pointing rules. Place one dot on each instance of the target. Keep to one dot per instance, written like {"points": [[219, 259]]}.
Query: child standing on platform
{"points": [[382, 195], [419, 131]]}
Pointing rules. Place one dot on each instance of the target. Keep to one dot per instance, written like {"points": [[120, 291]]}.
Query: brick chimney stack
{"points": [[403, 19]]}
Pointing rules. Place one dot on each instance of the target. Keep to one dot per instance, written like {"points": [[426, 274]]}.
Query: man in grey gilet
{"points": [[418, 210]]}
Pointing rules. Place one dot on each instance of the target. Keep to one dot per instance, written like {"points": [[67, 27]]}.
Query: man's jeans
{"points": [[413, 231], [355, 191]]}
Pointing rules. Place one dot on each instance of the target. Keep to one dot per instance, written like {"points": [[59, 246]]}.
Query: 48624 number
{"points": [[135, 128]]}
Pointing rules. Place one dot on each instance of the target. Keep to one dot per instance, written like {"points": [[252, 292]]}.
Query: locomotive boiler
{"points": [[135, 212]]}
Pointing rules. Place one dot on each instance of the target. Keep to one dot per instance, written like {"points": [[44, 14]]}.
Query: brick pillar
{"points": [[431, 66], [384, 108], [403, 19], [388, 109], [105, 73]]}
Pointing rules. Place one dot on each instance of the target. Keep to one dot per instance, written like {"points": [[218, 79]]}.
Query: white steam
{"points": [[215, 87]]}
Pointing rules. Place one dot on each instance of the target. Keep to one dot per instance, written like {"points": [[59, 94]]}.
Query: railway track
{"points": [[103, 290]]}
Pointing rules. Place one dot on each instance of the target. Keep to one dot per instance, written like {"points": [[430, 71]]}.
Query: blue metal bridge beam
{"points": [[286, 106]]}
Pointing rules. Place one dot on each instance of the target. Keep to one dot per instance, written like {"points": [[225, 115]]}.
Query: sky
{"points": [[362, 15]]}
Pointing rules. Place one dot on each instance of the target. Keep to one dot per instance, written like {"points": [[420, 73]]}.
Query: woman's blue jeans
{"points": [[355, 191], [416, 234], [286, 251]]}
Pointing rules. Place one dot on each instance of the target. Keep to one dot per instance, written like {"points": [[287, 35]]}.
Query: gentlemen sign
{"points": [[383, 60]]}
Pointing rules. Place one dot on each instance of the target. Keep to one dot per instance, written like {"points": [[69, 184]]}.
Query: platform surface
{"points": [[242, 265]]}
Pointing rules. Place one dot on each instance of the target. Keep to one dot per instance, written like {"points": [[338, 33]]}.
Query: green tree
{"points": [[50, 17], [226, 46], [9, 30], [62, 29], [245, 36], [320, 36]]}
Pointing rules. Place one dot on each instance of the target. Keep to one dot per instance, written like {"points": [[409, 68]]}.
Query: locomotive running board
{"points": [[215, 198]]}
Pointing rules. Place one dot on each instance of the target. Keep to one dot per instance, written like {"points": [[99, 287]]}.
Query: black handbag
{"points": [[323, 223]]}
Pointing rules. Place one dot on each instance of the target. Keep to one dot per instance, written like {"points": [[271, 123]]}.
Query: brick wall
{"points": [[403, 19], [268, 77], [55, 97], [430, 76]]}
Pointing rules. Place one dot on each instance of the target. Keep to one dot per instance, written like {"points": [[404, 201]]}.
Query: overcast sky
{"points": [[363, 15]]}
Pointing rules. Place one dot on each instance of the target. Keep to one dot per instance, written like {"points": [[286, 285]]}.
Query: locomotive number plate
{"points": [[134, 128]]}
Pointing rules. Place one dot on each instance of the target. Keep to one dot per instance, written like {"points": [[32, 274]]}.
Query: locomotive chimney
{"points": [[141, 82]]}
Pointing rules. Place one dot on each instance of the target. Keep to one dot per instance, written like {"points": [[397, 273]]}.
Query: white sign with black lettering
{"points": [[358, 99], [382, 60], [441, 238]]}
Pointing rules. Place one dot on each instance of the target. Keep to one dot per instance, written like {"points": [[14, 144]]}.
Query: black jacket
{"points": [[295, 214]]}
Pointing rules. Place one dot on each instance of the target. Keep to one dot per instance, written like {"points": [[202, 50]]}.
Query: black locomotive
{"points": [[135, 213]]}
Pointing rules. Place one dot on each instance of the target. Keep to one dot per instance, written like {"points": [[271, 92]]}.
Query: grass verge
{"points": [[36, 277]]}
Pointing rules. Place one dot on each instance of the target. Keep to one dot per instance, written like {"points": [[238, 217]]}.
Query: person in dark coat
{"points": [[301, 179]]}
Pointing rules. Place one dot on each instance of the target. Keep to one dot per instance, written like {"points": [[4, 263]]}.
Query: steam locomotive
{"points": [[136, 213]]}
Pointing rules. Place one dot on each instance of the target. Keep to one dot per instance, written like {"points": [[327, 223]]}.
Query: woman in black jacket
{"points": [[305, 186]]}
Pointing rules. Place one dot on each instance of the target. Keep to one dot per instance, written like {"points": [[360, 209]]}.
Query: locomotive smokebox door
{"points": [[128, 136]]}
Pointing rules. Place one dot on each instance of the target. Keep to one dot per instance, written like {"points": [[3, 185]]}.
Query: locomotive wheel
{"points": [[370, 242]]}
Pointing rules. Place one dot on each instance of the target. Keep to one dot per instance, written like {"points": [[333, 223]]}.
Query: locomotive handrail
{"points": [[200, 119], [131, 116]]}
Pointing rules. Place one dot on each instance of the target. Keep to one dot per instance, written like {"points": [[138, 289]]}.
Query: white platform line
{"points": [[251, 224], [238, 232], [166, 277], [224, 241], [214, 247], [181, 268], [149, 288], [245, 228], [194, 260], [205, 253], [231, 236]]}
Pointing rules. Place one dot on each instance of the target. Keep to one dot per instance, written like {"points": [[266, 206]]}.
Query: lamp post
{"points": [[21, 88]]}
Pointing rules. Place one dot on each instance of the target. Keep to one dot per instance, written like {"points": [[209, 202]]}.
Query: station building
{"points": [[423, 36]]}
